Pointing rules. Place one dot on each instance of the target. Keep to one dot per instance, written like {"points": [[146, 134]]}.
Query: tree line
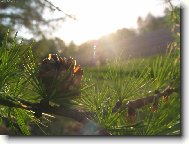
{"points": [[150, 38]]}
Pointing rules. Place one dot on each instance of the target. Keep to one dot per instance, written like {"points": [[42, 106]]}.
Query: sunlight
{"points": [[98, 67], [100, 17]]}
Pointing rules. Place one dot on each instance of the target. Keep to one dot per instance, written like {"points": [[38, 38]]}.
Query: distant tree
{"points": [[60, 46], [125, 33], [150, 23], [45, 46], [71, 49], [140, 22], [27, 14]]}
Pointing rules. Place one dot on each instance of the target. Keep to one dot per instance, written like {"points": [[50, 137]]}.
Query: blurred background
{"points": [[92, 32]]}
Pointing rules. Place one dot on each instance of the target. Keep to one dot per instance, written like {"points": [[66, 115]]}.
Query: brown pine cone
{"points": [[61, 78]]}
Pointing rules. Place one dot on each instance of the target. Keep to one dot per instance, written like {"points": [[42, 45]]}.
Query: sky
{"points": [[96, 18]]}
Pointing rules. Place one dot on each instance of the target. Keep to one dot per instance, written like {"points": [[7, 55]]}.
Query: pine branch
{"points": [[133, 105], [78, 115], [60, 10], [84, 117]]}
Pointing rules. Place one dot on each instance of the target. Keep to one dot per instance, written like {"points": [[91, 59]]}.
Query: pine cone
{"points": [[61, 78]]}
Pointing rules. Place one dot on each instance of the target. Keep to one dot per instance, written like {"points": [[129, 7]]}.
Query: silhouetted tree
{"points": [[45, 46], [26, 13], [150, 23], [71, 49]]}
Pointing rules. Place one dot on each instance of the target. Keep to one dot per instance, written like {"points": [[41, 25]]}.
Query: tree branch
{"points": [[84, 117], [77, 115], [133, 105]]}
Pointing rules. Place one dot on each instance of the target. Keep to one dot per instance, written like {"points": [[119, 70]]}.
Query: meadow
{"points": [[120, 82]]}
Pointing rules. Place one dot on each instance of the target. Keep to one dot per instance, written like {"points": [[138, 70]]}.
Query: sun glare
{"points": [[96, 18]]}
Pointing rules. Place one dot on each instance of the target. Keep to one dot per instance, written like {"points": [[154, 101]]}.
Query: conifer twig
{"points": [[133, 105], [82, 116]]}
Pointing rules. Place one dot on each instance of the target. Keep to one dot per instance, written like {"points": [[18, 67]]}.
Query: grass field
{"points": [[134, 79]]}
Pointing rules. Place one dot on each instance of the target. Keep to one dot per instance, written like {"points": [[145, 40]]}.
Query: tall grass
{"points": [[123, 81]]}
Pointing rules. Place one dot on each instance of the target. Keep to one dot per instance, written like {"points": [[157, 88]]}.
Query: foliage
{"points": [[114, 82], [12, 82], [117, 82], [173, 20], [17, 69], [150, 38], [150, 23], [136, 79], [17, 14]]}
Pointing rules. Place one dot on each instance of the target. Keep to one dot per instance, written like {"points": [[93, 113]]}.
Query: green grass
{"points": [[124, 81]]}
